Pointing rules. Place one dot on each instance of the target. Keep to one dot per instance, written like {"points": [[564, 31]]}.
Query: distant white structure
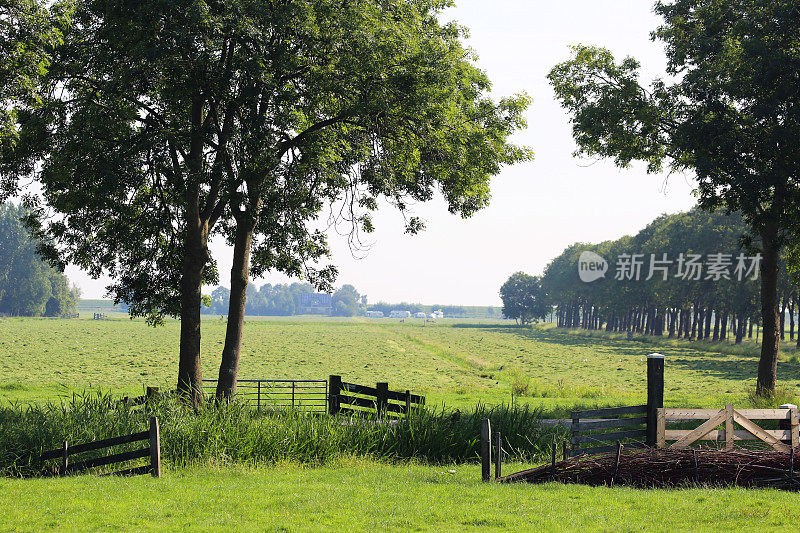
{"points": [[400, 314], [374, 314], [420, 315], [436, 314]]}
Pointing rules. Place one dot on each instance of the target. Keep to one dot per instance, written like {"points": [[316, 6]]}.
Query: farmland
{"points": [[457, 363], [454, 362]]}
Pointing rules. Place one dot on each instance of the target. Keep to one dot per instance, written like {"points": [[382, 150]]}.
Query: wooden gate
{"points": [[780, 439]]}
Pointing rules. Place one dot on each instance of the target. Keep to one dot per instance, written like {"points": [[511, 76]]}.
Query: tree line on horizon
{"points": [[284, 299], [694, 290]]}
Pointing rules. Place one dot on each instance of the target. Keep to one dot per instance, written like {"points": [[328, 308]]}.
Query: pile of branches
{"points": [[650, 468]]}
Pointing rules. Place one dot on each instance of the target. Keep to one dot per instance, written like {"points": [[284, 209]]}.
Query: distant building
{"points": [[374, 314], [419, 315], [400, 314], [315, 303]]}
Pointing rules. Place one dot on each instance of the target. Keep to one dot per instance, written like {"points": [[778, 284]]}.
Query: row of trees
{"points": [[285, 300], [151, 126], [28, 285], [693, 280], [684, 275]]}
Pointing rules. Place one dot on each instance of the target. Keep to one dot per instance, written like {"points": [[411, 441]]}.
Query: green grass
{"points": [[456, 362], [359, 495]]}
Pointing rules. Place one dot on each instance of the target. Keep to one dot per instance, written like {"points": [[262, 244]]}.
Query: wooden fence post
{"points": [[334, 386], [790, 423], [382, 398], [408, 401], [486, 450], [64, 458], [498, 458], [728, 427], [151, 393], [655, 395], [155, 448]]}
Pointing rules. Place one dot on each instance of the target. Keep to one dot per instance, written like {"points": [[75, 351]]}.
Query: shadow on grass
{"points": [[701, 359]]}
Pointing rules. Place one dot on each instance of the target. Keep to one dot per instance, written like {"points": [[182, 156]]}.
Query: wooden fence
{"points": [[153, 451], [591, 436], [781, 439], [368, 400]]}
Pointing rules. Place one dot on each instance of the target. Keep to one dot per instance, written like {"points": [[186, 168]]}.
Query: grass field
{"points": [[456, 362], [357, 495]]}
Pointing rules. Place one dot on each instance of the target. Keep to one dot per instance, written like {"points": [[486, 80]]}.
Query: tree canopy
{"points": [[728, 114], [163, 124], [524, 298], [29, 286]]}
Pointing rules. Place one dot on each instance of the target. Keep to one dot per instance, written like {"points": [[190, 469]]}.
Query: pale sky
{"points": [[538, 208]]}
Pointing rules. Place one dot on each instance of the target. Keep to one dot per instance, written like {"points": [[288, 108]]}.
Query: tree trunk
{"points": [[768, 363], [240, 275], [195, 257], [716, 327], [723, 334], [783, 319]]}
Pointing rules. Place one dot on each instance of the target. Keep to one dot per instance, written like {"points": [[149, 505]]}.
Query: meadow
{"points": [[456, 363], [285, 481]]}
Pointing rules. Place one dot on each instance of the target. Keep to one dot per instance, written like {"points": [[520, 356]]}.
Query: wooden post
{"points": [[151, 392], [486, 450], [258, 398], [790, 423], [616, 463], [382, 398], [655, 395], [334, 386], [155, 448], [408, 401], [729, 427], [64, 458], [573, 440], [498, 459], [661, 428], [293, 394]]}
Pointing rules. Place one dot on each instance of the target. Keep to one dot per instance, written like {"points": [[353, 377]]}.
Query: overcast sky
{"points": [[538, 208]]}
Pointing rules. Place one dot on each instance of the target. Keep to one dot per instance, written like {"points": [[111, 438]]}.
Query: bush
{"points": [[235, 433]]}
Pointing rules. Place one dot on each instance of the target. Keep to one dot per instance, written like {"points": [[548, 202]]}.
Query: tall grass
{"points": [[234, 433]]}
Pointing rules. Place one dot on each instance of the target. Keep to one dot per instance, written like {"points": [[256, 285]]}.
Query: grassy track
{"points": [[456, 362], [370, 496]]}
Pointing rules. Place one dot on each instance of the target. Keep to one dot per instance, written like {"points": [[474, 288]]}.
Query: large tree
{"points": [[729, 113], [165, 123], [375, 99], [524, 299]]}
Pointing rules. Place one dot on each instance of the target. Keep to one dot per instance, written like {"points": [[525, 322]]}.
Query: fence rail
{"points": [[785, 438], [589, 432], [371, 400], [305, 394], [153, 451]]}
